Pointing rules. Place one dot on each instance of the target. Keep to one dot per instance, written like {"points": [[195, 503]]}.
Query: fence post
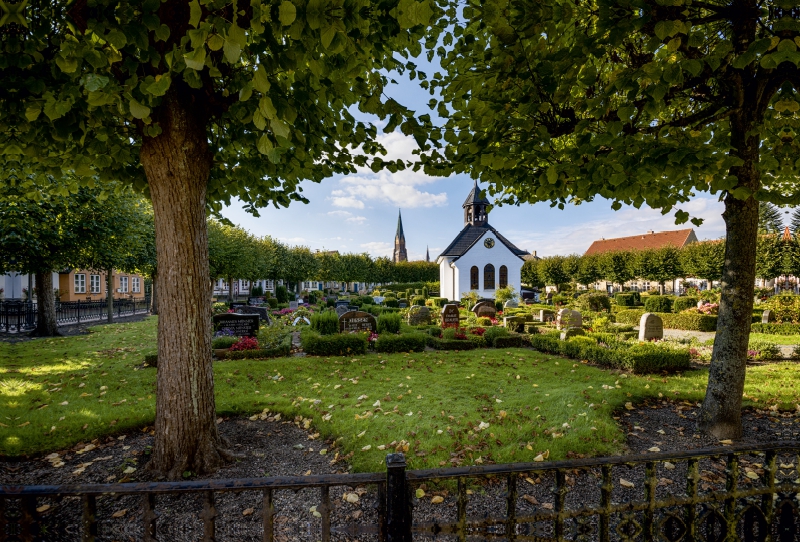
{"points": [[398, 510]]}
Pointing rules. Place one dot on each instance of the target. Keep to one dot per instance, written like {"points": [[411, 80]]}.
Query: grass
{"points": [[526, 398], [775, 339]]}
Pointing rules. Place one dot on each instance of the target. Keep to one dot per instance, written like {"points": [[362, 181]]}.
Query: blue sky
{"points": [[358, 213]]}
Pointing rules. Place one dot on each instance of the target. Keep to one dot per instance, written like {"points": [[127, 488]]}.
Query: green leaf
{"points": [[266, 108], [138, 110], [287, 13], [235, 41], [67, 65], [117, 39], [92, 82], [264, 144], [162, 33], [260, 80], [674, 44], [246, 92], [552, 175], [196, 59], [327, 36], [195, 13], [215, 42], [32, 112], [258, 120], [280, 128], [160, 86]]}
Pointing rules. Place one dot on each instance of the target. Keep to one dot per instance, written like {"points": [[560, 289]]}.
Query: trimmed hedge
{"points": [[407, 342], [219, 343], [389, 323], [683, 303], [775, 329], [594, 302], [418, 300], [439, 301], [511, 341], [689, 321], [630, 316], [639, 358], [282, 350], [325, 323], [658, 303], [452, 344], [391, 302], [494, 332], [630, 299], [343, 344]]}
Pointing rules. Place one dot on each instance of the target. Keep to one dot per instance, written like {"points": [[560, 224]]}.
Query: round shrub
{"points": [[281, 294], [389, 322], [325, 323], [683, 303], [593, 302], [272, 302], [366, 300], [493, 332], [418, 300], [658, 303], [484, 321]]}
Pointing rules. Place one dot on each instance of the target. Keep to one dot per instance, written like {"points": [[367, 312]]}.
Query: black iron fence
{"points": [[712, 495], [17, 316]]}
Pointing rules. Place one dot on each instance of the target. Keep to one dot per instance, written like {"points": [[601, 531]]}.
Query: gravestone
{"points": [[650, 327], [510, 304], [485, 308], [572, 332], [293, 305], [353, 308], [255, 300], [546, 316], [568, 319], [342, 302], [262, 312], [450, 315], [237, 304], [357, 321], [341, 310], [514, 323], [242, 325], [767, 317], [419, 315], [402, 305], [378, 299]]}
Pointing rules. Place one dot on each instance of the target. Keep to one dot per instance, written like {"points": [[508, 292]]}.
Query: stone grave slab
{"points": [[293, 305], [242, 325], [262, 312], [341, 310], [510, 304], [450, 315], [767, 317], [357, 321], [650, 327], [485, 308], [419, 315], [568, 319]]}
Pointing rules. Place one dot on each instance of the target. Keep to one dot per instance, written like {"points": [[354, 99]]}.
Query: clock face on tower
{"points": [[489, 242]]}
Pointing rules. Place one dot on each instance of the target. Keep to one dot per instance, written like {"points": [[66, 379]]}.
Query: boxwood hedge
{"points": [[343, 344], [407, 342]]}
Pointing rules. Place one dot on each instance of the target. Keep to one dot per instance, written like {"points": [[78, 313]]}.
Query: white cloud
{"points": [[398, 189], [576, 238], [378, 248], [343, 214], [293, 240], [356, 219]]}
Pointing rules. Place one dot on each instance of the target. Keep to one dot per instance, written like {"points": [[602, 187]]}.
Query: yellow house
{"points": [[87, 285]]}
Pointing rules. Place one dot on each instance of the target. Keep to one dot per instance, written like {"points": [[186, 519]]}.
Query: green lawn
{"points": [[775, 339], [436, 402]]}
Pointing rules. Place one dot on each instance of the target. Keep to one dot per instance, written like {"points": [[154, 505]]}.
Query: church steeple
{"points": [[475, 207], [400, 254], [427, 254]]}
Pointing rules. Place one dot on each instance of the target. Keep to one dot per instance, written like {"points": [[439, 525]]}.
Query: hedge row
{"points": [[775, 329], [683, 320], [344, 344], [280, 351], [640, 358], [452, 344], [407, 342]]}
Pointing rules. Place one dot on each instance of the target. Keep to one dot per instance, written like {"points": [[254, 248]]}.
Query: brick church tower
{"points": [[400, 254]]}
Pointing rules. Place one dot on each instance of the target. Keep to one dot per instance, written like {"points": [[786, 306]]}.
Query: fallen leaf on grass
{"points": [[752, 475], [437, 499], [531, 499], [247, 511], [420, 493], [313, 511], [629, 406], [654, 449], [352, 498], [43, 508], [119, 513], [625, 483], [366, 448]]}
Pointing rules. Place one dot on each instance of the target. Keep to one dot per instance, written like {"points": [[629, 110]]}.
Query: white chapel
{"points": [[479, 258]]}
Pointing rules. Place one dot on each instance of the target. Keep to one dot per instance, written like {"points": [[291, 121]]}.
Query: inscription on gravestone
{"points": [[650, 327], [242, 325], [357, 321], [450, 316]]}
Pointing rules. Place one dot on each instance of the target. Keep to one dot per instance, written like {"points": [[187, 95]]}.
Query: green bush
{"points": [[389, 323], [425, 292], [484, 321], [455, 344], [652, 358], [366, 300], [764, 350], [407, 342], [689, 321], [257, 291], [658, 303], [219, 343], [439, 302], [561, 299], [283, 349], [683, 303], [775, 329], [494, 332], [511, 341], [418, 300], [594, 302], [449, 333], [272, 302], [625, 300], [434, 331], [219, 308], [391, 303], [341, 344], [630, 316], [325, 322], [390, 295], [281, 294]]}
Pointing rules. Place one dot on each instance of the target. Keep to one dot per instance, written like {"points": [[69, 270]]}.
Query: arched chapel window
{"points": [[503, 276], [488, 277], [473, 278]]}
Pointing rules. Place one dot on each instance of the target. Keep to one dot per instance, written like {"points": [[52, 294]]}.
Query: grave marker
{"points": [[450, 315], [242, 325], [650, 327], [767, 317], [357, 321], [419, 315], [293, 305], [569, 319]]}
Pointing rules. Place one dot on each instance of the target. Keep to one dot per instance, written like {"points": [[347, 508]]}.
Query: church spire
{"points": [[475, 207], [427, 254], [400, 253]]}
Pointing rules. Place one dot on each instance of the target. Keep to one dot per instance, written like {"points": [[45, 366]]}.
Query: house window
{"points": [[503, 276], [94, 283], [123, 285], [488, 277], [136, 286], [473, 278], [80, 283]]}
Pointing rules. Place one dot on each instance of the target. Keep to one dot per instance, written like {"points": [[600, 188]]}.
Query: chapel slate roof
{"points": [[475, 197], [676, 238], [470, 235]]}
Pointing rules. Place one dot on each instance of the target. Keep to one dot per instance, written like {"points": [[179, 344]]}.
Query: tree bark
{"points": [[177, 164], [110, 296], [153, 294], [46, 324], [230, 290], [721, 412]]}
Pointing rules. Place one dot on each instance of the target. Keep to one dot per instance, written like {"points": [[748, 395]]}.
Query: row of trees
{"points": [[91, 228], [236, 254], [775, 256]]}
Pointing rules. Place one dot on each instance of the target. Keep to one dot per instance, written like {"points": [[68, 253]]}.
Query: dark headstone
{"points": [[485, 308], [353, 307], [341, 310], [262, 312], [402, 305], [255, 300], [236, 304], [342, 302], [357, 321], [450, 315], [418, 315], [242, 325]]}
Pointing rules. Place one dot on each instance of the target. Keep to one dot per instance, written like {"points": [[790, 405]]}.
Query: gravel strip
{"points": [[280, 447]]}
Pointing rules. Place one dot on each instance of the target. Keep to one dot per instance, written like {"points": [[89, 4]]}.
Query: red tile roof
{"points": [[677, 238]]}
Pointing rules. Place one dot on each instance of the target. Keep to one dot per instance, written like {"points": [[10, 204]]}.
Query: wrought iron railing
{"points": [[712, 495], [17, 316]]}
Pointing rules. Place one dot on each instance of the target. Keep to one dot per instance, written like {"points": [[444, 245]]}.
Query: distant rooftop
{"points": [[651, 239]]}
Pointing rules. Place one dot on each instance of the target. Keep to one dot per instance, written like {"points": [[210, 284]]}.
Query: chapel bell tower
{"points": [[476, 208]]}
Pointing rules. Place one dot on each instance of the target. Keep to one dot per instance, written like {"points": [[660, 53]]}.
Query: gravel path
{"points": [[279, 447]]}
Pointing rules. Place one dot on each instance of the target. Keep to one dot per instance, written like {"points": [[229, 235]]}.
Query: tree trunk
{"points": [[230, 290], [110, 296], [177, 164], [721, 413], [46, 324], [153, 294]]}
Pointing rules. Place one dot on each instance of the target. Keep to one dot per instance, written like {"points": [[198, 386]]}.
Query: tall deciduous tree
{"points": [[588, 270], [704, 260], [658, 264], [641, 103], [198, 102], [617, 266], [551, 271]]}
